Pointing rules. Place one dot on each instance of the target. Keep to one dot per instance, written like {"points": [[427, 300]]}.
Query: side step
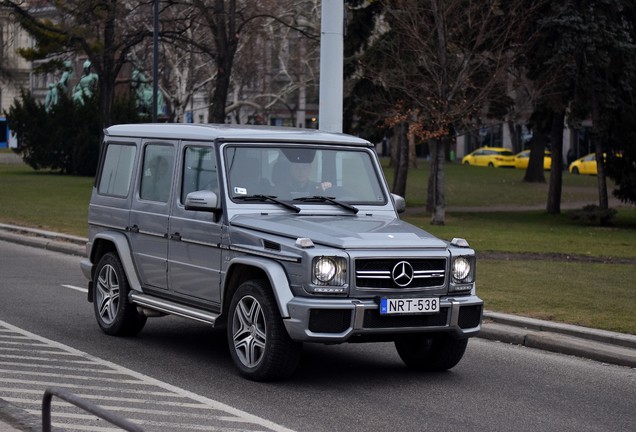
{"points": [[168, 307]]}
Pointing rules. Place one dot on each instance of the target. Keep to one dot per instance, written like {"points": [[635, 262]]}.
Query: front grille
{"points": [[329, 320], [381, 273], [373, 320]]}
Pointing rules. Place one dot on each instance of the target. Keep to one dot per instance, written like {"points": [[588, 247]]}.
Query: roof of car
{"points": [[225, 132]]}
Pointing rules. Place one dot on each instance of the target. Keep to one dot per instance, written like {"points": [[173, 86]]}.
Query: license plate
{"points": [[422, 305]]}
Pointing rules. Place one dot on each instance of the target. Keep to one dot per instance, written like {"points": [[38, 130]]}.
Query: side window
{"points": [[199, 171], [156, 176], [117, 170]]}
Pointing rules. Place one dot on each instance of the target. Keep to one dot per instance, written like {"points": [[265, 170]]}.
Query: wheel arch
{"points": [[116, 242], [246, 268]]}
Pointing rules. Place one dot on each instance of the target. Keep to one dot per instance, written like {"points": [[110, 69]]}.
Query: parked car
{"points": [[584, 165], [523, 158], [490, 157], [280, 236]]}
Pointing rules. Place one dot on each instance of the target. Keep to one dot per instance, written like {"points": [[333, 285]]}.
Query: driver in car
{"points": [[299, 180]]}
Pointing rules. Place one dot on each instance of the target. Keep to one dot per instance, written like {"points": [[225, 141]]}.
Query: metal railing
{"points": [[86, 406]]}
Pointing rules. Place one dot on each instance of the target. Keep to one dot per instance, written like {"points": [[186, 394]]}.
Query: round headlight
{"points": [[324, 269], [461, 269]]}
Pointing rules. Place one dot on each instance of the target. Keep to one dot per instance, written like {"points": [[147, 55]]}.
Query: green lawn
{"points": [[44, 200], [601, 295]]}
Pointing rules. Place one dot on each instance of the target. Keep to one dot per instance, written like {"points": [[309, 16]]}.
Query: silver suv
{"points": [[281, 236]]}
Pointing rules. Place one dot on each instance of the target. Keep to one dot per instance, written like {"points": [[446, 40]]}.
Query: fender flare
{"points": [[277, 279], [123, 250]]}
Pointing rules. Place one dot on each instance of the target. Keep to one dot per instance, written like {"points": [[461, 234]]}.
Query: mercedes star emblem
{"points": [[402, 273]]}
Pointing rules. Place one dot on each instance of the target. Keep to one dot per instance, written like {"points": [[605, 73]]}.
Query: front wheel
{"points": [[115, 315], [575, 170], [430, 353], [259, 344]]}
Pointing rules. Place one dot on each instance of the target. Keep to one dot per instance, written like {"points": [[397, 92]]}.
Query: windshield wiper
{"points": [[268, 198], [333, 200]]}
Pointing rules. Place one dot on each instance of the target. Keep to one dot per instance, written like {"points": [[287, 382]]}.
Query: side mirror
{"points": [[399, 202], [202, 200]]}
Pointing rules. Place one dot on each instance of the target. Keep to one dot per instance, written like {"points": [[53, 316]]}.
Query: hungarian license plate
{"points": [[420, 305]]}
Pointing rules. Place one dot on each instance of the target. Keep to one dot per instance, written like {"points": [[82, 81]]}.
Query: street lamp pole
{"points": [[331, 65]]}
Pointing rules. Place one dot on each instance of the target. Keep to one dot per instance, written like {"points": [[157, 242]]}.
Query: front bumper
{"points": [[345, 320]]}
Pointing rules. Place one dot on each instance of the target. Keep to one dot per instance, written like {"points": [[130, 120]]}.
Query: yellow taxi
{"points": [[584, 165], [490, 157], [523, 158]]}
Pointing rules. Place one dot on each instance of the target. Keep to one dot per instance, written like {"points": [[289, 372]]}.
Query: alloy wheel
{"points": [[249, 331], [107, 292]]}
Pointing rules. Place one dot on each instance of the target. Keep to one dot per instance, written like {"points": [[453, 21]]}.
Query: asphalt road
{"points": [[496, 387]]}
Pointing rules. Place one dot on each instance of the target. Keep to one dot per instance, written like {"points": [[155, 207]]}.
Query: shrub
{"points": [[594, 215], [67, 138]]}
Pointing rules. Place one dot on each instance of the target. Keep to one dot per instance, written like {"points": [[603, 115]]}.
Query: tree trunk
{"points": [[436, 201], [534, 172], [226, 42], [556, 171], [412, 152], [603, 200], [402, 162]]}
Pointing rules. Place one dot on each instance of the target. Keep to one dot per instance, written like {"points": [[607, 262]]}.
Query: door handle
{"points": [[176, 236]]}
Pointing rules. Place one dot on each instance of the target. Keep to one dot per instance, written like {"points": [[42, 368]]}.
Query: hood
{"points": [[343, 232]]}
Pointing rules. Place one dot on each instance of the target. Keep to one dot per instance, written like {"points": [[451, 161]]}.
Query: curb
{"points": [[536, 325], [594, 344], [582, 345], [71, 245]]}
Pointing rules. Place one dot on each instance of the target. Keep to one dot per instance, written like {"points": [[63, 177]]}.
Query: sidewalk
{"points": [[599, 345]]}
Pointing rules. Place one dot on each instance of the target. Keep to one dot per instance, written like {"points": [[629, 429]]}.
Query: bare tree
{"points": [[447, 60], [275, 68]]}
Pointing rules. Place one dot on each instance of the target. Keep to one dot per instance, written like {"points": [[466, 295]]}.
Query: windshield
{"points": [[289, 173]]}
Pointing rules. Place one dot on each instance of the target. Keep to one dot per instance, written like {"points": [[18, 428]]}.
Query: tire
{"points": [[466, 163], [491, 165], [431, 354], [114, 313], [575, 170], [259, 344]]}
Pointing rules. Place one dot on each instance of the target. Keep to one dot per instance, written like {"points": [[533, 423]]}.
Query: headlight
{"points": [[462, 270], [324, 269], [329, 271]]}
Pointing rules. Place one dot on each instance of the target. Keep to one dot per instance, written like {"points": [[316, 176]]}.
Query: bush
{"points": [[594, 215], [67, 138]]}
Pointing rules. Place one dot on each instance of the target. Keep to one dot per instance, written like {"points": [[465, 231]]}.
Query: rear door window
{"points": [[117, 170], [156, 180]]}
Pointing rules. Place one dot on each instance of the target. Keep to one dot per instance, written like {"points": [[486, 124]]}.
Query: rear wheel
{"points": [[115, 314], [259, 344], [491, 165], [430, 353]]}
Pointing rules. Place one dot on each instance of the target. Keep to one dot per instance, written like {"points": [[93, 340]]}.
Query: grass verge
{"points": [[588, 294]]}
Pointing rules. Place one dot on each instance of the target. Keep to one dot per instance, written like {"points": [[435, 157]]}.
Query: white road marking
{"points": [[82, 290], [177, 401]]}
